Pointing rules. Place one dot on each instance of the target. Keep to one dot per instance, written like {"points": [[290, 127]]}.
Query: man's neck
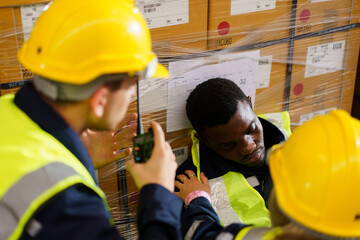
{"points": [[74, 114]]}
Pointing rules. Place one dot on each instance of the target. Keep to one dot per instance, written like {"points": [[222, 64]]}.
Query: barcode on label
{"points": [[263, 62], [337, 46], [153, 5], [148, 10], [179, 152]]}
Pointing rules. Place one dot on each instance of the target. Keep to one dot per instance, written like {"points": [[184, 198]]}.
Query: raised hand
{"points": [[106, 147]]}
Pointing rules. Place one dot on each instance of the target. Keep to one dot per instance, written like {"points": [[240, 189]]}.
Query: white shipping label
{"points": [[153, 95], [154, 92], [248, 6], [29, 15], [163, 13], [324, 58], [306, 117], [242, 71], [264, 73]]}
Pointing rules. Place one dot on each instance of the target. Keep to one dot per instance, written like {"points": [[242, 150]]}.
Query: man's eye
{"points": [[228, 146]]}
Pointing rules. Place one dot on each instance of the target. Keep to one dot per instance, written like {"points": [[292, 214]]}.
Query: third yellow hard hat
{"points": [[75, 42], [316, 175]]}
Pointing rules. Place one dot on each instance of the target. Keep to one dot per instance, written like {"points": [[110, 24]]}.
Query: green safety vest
{"points": [[279, 119], [233, 197], [34, 167]]}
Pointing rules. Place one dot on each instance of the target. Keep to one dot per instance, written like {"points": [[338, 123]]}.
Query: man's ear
{"points": [[249, 100], [98, 101], [202, 139], [197, 136]]}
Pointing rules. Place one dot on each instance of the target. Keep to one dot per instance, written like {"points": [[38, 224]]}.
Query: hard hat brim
{"points": [[161, 72]]}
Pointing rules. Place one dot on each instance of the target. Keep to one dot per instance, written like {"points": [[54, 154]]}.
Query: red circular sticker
{"points": [[298, 88], [305, 15], [223, 28]]}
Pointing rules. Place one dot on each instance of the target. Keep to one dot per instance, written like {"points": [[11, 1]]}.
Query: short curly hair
{"points": [[213, 102]]}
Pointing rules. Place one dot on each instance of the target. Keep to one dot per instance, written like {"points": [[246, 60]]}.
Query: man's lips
{"points": [[254, 156]]}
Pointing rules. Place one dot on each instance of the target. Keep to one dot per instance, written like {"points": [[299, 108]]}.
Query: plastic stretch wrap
{"points": [[288, 55]]}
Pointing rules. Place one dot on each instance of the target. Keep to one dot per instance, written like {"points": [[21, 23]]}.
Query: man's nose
{"points": [[248, 146]]}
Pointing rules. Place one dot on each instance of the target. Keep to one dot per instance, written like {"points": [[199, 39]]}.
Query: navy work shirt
{"points": [[78, 212]]}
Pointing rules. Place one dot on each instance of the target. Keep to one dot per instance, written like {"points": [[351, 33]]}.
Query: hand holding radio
{"points": [[143, 146], [160, 167]]}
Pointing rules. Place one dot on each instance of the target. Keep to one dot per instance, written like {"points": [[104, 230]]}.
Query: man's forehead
{"points": [[245, 112], [237, 125]]}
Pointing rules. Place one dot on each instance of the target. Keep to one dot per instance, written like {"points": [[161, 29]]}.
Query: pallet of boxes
{"points": [[299, 56], [17, 18]]}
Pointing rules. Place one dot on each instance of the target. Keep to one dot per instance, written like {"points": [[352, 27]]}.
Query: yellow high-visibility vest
{"points": [[234, 198], [34, 167], [258, 233]]}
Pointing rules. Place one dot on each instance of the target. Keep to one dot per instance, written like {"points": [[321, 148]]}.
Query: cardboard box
{"points": [[15, 26], [352, 61], [184, 34], [177, 27], [235, 22], [316, 15], [270, 97], [323, 76], [12, 3]]}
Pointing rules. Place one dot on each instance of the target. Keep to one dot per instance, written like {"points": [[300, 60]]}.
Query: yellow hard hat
{"points": [[75, 42], [316, 175]]}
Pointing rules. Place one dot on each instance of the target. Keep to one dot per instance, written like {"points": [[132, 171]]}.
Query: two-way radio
{"points": [[143, 143]]}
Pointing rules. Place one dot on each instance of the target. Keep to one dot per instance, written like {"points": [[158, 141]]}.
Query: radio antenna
{"points": [[139, 121]]}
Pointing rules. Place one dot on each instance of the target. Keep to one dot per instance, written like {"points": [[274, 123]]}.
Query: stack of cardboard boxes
{"points": [[16, 21], [308, 55]]}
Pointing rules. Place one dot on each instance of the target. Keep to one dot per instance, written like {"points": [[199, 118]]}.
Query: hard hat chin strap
{"points": [[70, 92]]}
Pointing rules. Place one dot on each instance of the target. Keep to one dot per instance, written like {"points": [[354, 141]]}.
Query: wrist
{"points": [[195, 194]]}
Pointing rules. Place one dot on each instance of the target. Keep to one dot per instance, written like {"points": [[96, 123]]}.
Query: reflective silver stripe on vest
{"points": [[18, 198], [253, 181], [192, 230], [221, 203], [256, 233], [225, 236], [220, 200]]}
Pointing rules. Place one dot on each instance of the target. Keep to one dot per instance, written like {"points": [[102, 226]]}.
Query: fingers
{"points": [[130, 165], [172, 155], [128, 119], [124, 138], [178, 184], [159, 136], [182, 178], [125, 131], [190, 173], [124, 153], [204, 179]]}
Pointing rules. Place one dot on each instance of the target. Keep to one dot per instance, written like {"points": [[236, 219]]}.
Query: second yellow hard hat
{"points": [[316, 175]]}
